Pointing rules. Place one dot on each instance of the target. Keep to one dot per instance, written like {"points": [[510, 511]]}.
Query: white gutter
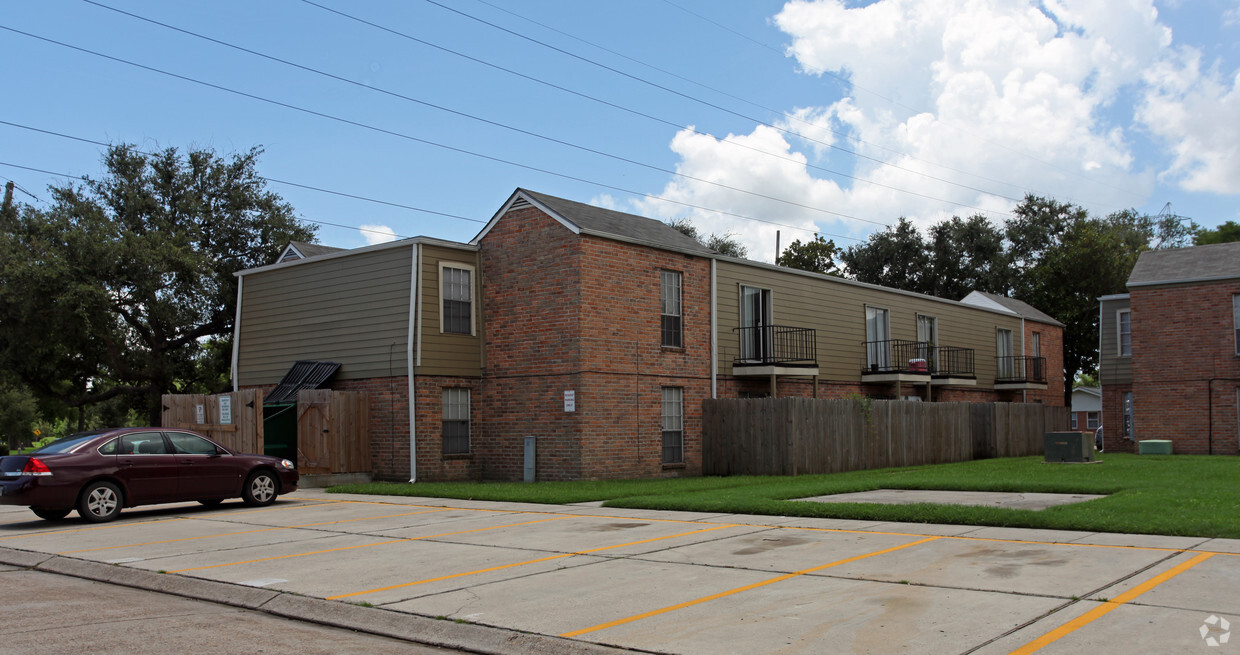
{"points": [[714, 334], [415, 296], [237, 332]]}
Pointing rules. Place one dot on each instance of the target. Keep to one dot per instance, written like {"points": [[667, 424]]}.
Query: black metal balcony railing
{"points": [[952, 362], [1020, 369], [918, 357], [777, 344], [896, 356]]}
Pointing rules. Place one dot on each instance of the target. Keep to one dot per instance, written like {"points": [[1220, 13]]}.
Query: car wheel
{"points": [[212, 502], [260, 489], [50, 514], [100, 501]]}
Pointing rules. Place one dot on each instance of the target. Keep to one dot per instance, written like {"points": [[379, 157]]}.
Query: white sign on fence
{"points": [[200, 413], [225, 410]]}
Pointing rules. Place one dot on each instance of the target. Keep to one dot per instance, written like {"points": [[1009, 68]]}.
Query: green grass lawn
{"points": [[1172, 495]]}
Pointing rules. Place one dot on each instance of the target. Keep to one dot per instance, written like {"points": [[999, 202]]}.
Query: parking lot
{"points": [[671, 581]]}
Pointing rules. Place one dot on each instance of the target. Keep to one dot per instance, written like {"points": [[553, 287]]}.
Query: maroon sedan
{"points": [[97, 473]]}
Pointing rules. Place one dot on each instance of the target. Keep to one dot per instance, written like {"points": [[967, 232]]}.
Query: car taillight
{"points": [[36, 467]]}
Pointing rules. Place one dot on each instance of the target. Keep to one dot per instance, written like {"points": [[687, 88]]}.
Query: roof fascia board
{"points": [[520, 194], [431, 241], [1114, 296], [1191, 280]]}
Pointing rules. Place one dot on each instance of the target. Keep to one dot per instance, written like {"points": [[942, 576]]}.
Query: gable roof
{"points": [[609, 223], [1218, 261], [1011, 305], [302, 250]]}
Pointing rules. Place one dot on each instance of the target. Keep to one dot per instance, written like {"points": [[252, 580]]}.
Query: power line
{"points": [[914, 110], [304, 220], [651, 117], [474, 117], [720, 107], [423, 141]]}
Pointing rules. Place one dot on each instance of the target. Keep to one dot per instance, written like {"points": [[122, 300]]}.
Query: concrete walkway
{"points": [[517, 578]]}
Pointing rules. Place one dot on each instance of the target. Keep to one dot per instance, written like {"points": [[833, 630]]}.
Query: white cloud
{"points": [[377, 234], [1196, 113], [971, 104]]}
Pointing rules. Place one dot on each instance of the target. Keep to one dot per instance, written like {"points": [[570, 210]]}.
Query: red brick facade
{"points": [[1185, 371]]}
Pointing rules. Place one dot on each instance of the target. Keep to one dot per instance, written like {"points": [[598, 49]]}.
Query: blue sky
{"points": [[806, 116]]}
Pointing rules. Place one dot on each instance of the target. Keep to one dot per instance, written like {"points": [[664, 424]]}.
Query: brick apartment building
{"points": [[599, 334], [1170, 352]]}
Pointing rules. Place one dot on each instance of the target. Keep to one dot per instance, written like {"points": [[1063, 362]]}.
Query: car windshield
{"points": [[66, 444]]}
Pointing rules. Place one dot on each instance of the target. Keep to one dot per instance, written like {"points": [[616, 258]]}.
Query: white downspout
{"points": [[714, 334], [237, 332], [415, 334]]}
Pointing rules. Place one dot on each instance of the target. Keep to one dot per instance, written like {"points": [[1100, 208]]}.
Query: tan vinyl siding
{"points": [[353, 310], [1113, 368], [836, 310], [449, 354]]}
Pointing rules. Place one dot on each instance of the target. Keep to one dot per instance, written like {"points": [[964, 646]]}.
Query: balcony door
{"points": [[756, 333], [1003, 351], [877, 338], [928, 338]]}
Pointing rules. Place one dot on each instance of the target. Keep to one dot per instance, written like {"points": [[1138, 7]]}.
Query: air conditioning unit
{"points": [[1068, 446]]}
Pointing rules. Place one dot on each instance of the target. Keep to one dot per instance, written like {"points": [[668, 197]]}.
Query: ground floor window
{"points": [[455, 421], [1074, 422], [673, 425], [1091, 420], [1126, 405]]}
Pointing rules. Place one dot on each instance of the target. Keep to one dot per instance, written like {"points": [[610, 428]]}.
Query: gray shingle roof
{"points": [[1219, 261], [1022, 309], [609, 222], [309, 250]]}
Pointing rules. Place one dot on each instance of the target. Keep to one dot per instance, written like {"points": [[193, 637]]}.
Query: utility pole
{"points": [[8, 197]]}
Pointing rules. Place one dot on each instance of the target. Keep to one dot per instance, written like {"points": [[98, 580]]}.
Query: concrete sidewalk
{"points": [[516, 578]]}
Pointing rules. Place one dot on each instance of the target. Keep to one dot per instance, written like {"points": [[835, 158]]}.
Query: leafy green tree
{"points": [[118, 286], [17, 413], [967, 255], [896, 257], [1225, 233], [724, 244], [817, 256]]}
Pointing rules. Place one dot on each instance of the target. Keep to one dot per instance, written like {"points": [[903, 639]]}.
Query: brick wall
{"points": [[1051, 343], [1182, 338]]}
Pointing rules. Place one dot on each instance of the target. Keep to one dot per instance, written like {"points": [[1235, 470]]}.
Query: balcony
{"points": [[1020, 373], [768, 350], [899, 360]]}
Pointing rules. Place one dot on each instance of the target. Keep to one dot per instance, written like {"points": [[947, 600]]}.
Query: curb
{"points": [[467, 637]]}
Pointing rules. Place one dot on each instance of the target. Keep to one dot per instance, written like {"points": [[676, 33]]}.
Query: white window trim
{"points": [[1119, 333], [473, 295], [680, 304], [1075, 421]]}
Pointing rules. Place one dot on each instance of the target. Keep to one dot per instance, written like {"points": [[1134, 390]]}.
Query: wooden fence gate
{"points": [[333, 433]]}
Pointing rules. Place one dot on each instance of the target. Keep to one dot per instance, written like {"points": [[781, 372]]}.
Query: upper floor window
{"points": [[1123, 322], [457, 293], [877, 335], [1003, 353], [1035, 344], [670, 309]]}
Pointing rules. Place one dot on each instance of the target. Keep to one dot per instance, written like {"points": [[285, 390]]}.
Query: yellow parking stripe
{"points": [[230, 534], [1107, 606], [730, 592], [532, 561], [381, 543]]}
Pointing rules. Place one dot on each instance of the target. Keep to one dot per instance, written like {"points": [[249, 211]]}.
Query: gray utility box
{"points": [[1068, 446]]}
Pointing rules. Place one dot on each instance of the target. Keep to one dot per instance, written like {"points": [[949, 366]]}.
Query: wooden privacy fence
{"points": [[795, 436], [333, 427], [233, 419], [333, 433]]}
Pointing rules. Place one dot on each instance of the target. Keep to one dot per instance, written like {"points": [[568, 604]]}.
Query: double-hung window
{"points": [[455, 421], [1235, 319], [671, 318], [1123, 323], [673, 425], [1091, 420], [457, 291]]}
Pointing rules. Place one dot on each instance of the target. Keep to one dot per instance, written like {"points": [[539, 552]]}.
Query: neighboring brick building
{"points": [[599, 334], [1170, 352]]}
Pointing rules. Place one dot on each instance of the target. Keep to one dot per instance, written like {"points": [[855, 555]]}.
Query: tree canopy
{"points": [[1050, 254], [724, 244], [124, 285], [817, 256], [1225, 233]]}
